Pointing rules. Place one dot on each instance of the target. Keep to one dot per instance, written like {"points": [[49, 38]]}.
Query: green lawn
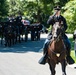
{"points": [[72, 49], [73, 55]]}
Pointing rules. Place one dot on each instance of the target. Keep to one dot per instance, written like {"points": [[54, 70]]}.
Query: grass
{"points": [[72, 48], [73, 55]]}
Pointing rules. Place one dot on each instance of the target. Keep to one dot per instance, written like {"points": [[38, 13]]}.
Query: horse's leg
{"points": [[1, 39], [26, 36], [6, 41], [22, 36], [13, 41], [63, 64], [19, 39], [52, 68], [16, 39], [9, 42]]}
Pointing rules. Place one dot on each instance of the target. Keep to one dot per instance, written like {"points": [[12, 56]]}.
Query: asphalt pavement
{"points": [[22, 59]]}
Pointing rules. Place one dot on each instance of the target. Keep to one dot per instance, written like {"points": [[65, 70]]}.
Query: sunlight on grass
{"points": [[73, 55]]}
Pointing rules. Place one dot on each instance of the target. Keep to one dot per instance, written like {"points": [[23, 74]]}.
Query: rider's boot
{"points": [[69, 58], [68, 50], [43, 59]]}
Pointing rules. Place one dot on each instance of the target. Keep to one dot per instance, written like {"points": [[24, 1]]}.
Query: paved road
{"points": [[22, 59]]}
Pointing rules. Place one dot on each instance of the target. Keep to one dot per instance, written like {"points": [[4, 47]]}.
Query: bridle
{"points": [[54, 33], [56, 40]]}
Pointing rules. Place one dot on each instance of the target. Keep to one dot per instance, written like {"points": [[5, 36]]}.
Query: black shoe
{"points": [[70, 60], [42, 60], [74, 67]]}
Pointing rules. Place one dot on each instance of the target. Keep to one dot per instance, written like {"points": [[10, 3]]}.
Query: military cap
{"points": [[57, 7]]}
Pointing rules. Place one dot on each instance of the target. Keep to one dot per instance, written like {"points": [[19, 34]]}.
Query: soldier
{"points": [[32, 32], [57, 17], [38, 28], [18, 18]]}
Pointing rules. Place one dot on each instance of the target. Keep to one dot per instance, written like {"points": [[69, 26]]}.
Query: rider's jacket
{"points": [[60, 19], [53, 19]]}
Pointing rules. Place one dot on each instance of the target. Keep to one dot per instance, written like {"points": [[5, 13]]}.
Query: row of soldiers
{"points": [[33, 28], [19, 29]]}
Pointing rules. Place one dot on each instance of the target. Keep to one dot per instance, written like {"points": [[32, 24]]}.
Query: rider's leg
{"points": [[43, 59], [45, 46], [68, 47], [46, 43]]}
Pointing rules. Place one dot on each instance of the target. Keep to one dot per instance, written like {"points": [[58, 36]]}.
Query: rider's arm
{"points": [[65, 24], [50, 20]]}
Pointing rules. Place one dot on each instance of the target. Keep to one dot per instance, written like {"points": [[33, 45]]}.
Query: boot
{"points": [[69, 58], [43, 59]]}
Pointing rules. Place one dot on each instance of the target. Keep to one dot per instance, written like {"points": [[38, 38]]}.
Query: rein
{"points": [[57, 54]]}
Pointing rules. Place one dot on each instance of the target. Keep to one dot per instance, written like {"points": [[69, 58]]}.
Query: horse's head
{"points": [[57, 30]]}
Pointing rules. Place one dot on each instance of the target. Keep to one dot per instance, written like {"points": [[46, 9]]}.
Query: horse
{"points": [[2, 26], [56, 49], [19, 30], [1, 32], [9, 34]]}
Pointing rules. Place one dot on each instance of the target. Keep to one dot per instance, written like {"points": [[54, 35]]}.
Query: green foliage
{"points": [[30, 8], [47, 1], [72, 48], [70, 12], [16, 6], [3, 8]]}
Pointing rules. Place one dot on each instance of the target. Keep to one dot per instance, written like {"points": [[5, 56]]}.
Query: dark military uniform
{"points": [[38, 28], [32, 32], [60, 19]]}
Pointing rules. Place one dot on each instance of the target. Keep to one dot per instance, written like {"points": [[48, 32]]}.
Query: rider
{"points": [[56, 17]]}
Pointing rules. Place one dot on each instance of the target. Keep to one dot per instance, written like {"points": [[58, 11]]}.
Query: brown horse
{"points": [[57, 49]]}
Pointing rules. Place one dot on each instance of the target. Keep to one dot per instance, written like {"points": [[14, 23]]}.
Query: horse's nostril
{"points": [[54, 37]]}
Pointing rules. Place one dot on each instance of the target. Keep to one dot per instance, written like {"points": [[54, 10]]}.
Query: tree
{"points": [[31, 8], [16, 6], [3, 8], [69, 14]]}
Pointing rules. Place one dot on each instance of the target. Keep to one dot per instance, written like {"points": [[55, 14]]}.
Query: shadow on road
{"points": [[33, 46]]}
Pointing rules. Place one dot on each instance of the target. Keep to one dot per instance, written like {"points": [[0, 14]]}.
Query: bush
{"points": [[69, 14]]}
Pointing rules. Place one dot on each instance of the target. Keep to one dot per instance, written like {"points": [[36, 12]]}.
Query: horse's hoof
{"points": [[64, 74], [5, 45]]}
